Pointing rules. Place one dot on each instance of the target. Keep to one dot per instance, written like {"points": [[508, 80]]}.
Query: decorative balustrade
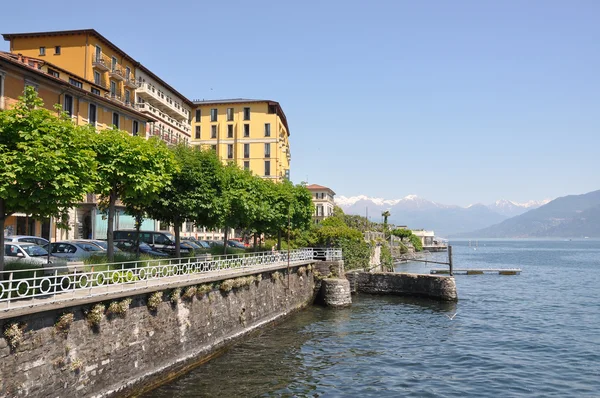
{"points": [[41, 286]]}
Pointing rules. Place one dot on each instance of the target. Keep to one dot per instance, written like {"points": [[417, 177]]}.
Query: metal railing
{"points": [[40, 286]]}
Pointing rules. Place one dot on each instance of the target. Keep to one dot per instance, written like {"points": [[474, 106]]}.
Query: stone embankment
{"points": [[392, 283]]}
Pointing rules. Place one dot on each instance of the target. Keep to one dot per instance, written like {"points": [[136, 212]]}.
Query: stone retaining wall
{"points": [[430, 286], [143, 347]]}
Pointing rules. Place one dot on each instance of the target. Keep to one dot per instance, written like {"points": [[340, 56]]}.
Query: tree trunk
{"points": [[278, 239], [255, 242], [177, 225], [138, 226], [225, 234], [2, 220], [112, 199]]}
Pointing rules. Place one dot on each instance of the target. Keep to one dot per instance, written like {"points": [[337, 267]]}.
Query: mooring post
{"points": [[450, 260]]}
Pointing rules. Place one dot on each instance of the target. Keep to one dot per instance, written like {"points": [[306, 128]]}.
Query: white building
{"points": [[161, 101], [322, 198]]}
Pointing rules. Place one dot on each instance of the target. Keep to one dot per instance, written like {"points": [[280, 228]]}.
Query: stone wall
{"points": [[430, 286], [143, 347]]}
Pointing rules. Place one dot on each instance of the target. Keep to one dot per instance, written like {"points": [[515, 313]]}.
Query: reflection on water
{"points": [[536, 334]]}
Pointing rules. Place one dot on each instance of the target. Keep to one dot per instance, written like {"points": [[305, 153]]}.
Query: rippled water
{"points": [[535, 334]]}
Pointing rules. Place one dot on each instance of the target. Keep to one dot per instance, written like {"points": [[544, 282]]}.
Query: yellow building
{"points": [[94, 59], [252, 133]]}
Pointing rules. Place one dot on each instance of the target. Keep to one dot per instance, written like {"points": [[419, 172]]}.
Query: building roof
{"points": [[23, 62], [246, 101], [316, 187], [93, 32]]}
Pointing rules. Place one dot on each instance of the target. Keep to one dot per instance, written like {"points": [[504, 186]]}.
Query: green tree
{"points": [[47, 162], [194, 193], [159, 168], [125, 165], [386, 231]]}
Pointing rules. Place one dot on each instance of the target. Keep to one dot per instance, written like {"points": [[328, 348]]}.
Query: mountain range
{"points": [[573, 216], [417, 212]]}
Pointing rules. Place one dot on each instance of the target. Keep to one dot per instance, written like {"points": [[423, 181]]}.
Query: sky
{"points": [[456, 101]]}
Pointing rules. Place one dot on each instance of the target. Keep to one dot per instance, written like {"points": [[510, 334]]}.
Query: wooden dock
{"points": [[479, 271]]}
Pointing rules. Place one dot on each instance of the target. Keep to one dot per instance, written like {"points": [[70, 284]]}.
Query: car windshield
{"points": [[102, 244], [144, 246], [34, 250]]}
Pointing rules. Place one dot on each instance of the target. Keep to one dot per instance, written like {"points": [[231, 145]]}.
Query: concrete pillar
{"points": [[336, 292]]}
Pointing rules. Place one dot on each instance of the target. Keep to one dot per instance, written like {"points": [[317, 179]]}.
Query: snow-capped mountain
{"points": [[418, 212], [509, 208]]}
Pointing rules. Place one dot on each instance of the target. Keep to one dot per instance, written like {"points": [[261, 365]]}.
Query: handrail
{"points": [[82, 281]]}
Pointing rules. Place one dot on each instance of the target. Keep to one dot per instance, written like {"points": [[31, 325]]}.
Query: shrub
{"points": [[64, 322], [203, 289], [190, 292], [227, 285], [301, 271], [95, 314], [154, 300], [76, 365], [14, 335], [257, 278], [276, 276], [175, 295], [119, 308]]}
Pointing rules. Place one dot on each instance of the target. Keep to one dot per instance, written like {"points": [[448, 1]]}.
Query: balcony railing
{"points": [[114, 96], [150, 93], [101, 62], [131, 82], [117, 72]]}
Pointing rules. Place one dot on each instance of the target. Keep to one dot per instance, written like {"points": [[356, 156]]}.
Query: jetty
{"points": [[478, 271]]}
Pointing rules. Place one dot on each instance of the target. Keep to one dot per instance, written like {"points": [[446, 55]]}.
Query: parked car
{"points": [[26, 238], [129, 246], [214, 243], [26, 252], [202, 243], [236, 244], [158, 240], [73, 251], [102, 244]]}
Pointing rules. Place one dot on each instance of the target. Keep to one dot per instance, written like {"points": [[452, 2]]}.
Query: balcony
{"points": [[101, 62], [152, 95], [117, 73], [131, 82], [114, 97], [146, 107]]}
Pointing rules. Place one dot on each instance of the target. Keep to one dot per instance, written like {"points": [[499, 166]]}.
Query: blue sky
{"points": [[456, 101]]}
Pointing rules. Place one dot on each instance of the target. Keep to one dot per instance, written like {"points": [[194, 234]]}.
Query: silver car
{"points": [[26, 252], [26, 238], [74, 251]]}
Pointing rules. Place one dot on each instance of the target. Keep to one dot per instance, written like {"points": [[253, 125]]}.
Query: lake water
{"points": [[536, 335]]}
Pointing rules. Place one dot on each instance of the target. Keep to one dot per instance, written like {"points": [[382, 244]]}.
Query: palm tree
{"points": [[385, 216]]}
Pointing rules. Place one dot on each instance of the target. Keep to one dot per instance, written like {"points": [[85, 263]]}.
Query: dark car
{"points": [[214, 243], [236, 244], [129, 246]]}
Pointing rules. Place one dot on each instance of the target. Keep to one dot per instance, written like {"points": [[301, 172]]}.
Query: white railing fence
{"points": [[21, 288]]}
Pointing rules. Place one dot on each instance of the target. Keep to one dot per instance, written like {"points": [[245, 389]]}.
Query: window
{"points": [[272, 109], [230, 131], [97, 77], [98, 54], [42, 50], [116, 119], [198, 115], [213, 115], [267, 129], [267, 168], [95, 91], [197, 132], [214, 148], [267, 150], [229, 114], [213, 131], [127, 72], [68, 105], [135, 127], [92, 114], [246, 113], [75, 83], [57, 50], [113, 89], [229, 151], [127, 97], [246, 165], [246, 150], [246, 130], [113, 64], [54, 73]]}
